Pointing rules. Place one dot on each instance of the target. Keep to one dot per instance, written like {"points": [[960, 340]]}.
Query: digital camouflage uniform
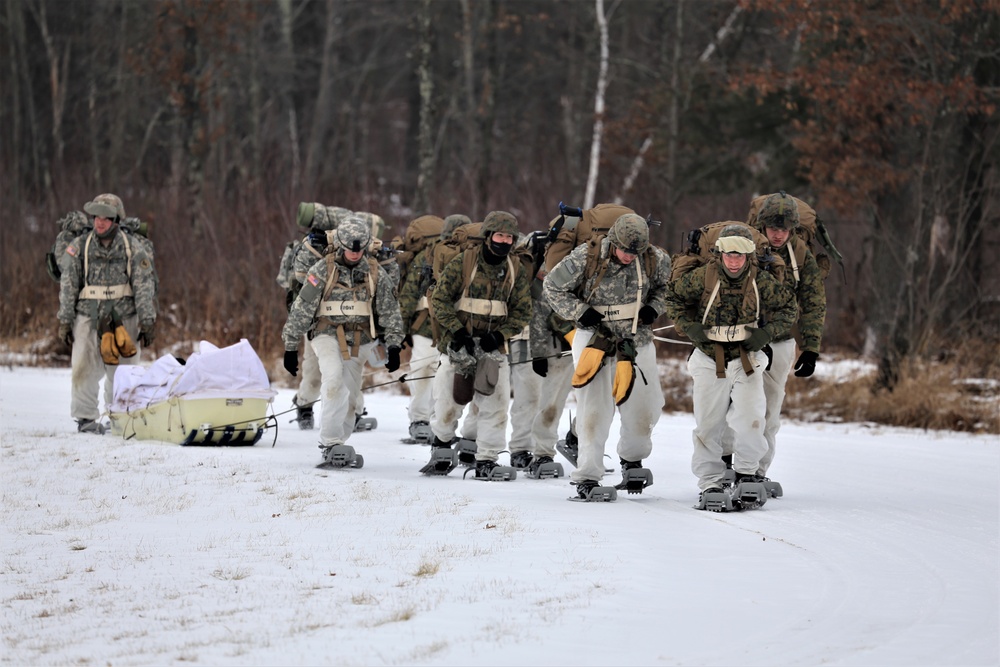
{"points": [[806, 280], [736, 400], [491, 282], [343, 342], [85, 263], [570, 292]]}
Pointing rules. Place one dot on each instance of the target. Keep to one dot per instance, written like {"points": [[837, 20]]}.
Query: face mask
{"points": [[500, 249]]}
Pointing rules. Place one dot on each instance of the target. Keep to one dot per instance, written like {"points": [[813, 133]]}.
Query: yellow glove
{"points": [[569, 335], [590, 362], [109, 350], [621, 388], [123, 341]]}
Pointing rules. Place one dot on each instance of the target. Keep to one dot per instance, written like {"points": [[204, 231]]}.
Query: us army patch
{"points": [[313, 280], [70, 250]]}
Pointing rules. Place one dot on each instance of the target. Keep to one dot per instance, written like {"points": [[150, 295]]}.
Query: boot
{"points": [[89, 426], [521, 459]]}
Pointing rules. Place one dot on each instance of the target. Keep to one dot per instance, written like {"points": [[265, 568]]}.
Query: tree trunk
{"points": [[323, 111], [471, 148], [602, 86], [425, 137]]}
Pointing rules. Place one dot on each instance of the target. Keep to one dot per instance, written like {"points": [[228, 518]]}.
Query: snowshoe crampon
{"points": [[443, 461], [489, 471], [340, 456], [590, 492], [466, 450], [716, 500], [634, 480], [543, 467]]}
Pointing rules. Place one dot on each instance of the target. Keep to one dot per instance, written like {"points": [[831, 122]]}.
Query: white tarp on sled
{"points": [[219, 396]]}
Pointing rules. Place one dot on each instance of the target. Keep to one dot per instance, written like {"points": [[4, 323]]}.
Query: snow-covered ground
{"points": [[884, 550]]}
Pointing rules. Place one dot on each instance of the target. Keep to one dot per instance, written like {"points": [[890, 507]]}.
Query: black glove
{"points": [[590, 318], [292, 362], [463, 338], [66, 333], [147, 333], [392, 363], [769, 353], [648, 314], [696, 332], [408, 341], [540, 366], [491, 341], [318, 240], [757, 340], [806, 365]]}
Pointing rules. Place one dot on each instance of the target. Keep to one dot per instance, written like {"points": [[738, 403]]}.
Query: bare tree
{"points": [[602, 86]]}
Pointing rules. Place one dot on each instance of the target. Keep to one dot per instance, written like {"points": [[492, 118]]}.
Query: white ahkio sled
{"points": [[218, 396]]}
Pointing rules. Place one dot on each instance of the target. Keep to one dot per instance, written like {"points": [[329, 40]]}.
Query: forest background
{"points": [[213, 119]]}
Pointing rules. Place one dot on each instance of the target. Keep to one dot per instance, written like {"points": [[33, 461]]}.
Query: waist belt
{"points": [[345, 308], [625, 311], [524, 334], [106, 292], [482, 307], [730, 334], [422, 304]]}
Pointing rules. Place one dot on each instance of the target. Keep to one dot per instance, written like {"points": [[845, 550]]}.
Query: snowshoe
{"points": [[466, 452], [570, 445], [489, 471], [543, 467], [715, 499], [520, 459], [420, 434], [443, 461], [340, 456], [90, 426], [589, 491], [635, 478], [364, 423], [774, 489], [749, 491]]}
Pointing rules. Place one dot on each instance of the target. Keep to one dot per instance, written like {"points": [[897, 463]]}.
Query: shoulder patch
{"points": [[71, 250], [313, 280]]}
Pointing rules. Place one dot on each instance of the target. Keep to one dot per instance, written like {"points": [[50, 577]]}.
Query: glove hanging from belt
{"points": [[591, 360], [621, 388], [109, 347]]}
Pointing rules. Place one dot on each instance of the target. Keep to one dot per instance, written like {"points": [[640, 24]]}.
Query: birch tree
{"points": [[602, 86]]}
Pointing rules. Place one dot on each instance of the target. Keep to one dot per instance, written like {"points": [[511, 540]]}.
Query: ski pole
{"points": [[671, 340], [669, 326], [401, 378]]}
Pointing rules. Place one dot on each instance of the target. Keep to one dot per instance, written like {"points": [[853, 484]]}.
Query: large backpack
{"points": [[810, 229], [463, 238], [78, 223], [576, 230], [418, 235]]}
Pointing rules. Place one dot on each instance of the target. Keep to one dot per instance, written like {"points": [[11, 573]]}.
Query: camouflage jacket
{"points": [[565, 284], [415, 286], [733, 305], [810, 295], [106, 266], [490, 282], [352, 285], [548, 330]]}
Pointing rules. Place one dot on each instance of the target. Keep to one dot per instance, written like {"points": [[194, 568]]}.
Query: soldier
{"points": [[719, 305], [777, 219], [481, 300], [614, 289], [106, 301], [414, 307], [343, 297]]}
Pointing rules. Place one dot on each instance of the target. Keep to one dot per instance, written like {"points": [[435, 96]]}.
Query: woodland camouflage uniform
{"points": [[573, 294]]}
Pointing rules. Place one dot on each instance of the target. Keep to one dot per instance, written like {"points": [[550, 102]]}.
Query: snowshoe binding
{"points": [[444, 459], [589, 491], [520, 459], [728, 478], [489, 471], [716, 499], [543, 467], [420, 434], [749, 491], [570, 445], [635, 478], [340, 456], [466, 451], [363, 422]]}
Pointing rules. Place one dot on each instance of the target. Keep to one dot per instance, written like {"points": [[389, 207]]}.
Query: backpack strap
{"points": [[106, 292]]}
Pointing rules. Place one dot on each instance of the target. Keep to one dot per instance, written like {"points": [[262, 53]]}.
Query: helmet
{"points": [[106, 206], [736, 238], [630, 233], [453, 222], [499, 221], [353, 234], [779, 211]]}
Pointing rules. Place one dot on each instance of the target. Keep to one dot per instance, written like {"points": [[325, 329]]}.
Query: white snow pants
{"points": [[596, 409], [782, 359], [491, 421], [340, 389], [89, 367], [309, 384], [538, 404], [736, 401], [424, 360]]}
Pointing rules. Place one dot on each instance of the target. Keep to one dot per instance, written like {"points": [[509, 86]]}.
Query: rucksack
{"points": [[810, 229], [571, 230], [419, 233], [77, 223], [463, 238]]}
